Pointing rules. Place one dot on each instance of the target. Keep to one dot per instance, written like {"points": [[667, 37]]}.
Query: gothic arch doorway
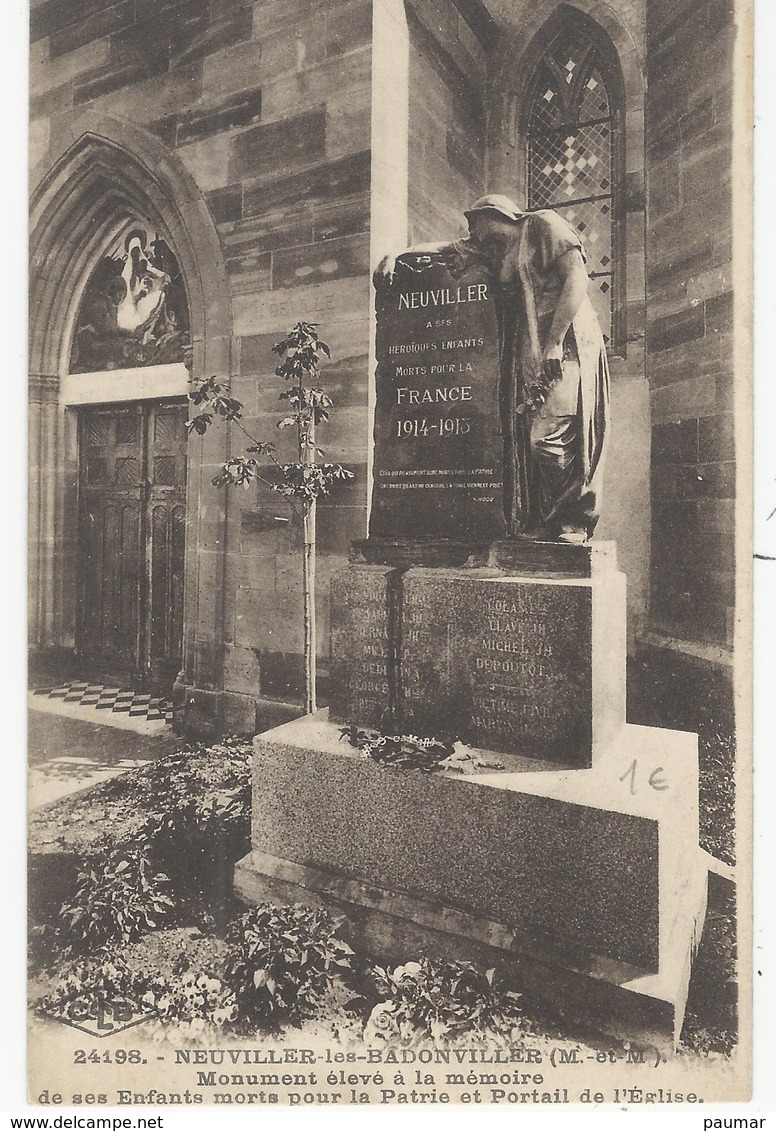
{"points": [[130, 341], [114, 527], [131, 543]]}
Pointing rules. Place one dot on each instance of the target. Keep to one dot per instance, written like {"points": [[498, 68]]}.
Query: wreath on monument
{"points": [[411, 752]]}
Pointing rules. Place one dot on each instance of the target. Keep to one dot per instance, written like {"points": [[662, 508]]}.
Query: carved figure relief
{"points": [[134, 311]]}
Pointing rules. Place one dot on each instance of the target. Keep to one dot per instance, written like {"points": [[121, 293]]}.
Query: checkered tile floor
{"points": [[117, 700]]}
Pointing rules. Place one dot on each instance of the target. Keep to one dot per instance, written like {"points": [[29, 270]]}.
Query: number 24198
{"points": [[107, 1056]]}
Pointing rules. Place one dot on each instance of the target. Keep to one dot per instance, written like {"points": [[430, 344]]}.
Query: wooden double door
{"points": [[131, 543]]}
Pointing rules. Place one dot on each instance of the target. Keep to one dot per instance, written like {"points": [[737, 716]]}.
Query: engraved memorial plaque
{"points": [[506, 664], [362, 649], [438, 451]]}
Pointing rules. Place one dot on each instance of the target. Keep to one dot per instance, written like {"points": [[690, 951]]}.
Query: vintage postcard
{"points": [[390, 569]]}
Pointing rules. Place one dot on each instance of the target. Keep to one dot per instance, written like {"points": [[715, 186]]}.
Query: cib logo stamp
{"points": [[100, 1014]]}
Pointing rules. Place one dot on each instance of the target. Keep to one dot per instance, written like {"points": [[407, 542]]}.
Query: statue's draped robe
{"points": [[530, 287]]}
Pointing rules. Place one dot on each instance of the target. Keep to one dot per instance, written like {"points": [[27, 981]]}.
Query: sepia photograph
{"points": [[390, 485]]}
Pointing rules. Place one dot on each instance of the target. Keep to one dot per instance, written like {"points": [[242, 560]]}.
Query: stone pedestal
{"points": [[363, 659], [588, 882], [522, 651], [575, 865]]}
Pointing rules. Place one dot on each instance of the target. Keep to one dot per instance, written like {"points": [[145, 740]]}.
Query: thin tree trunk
{"points": [[308, 585]]}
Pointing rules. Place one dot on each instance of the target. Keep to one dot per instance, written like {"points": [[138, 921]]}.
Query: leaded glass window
{"points": [[572, 157]]}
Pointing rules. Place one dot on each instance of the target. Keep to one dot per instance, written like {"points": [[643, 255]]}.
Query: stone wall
{"points": [[447, 117], [689, 293], [267, 105], [464, 140]]}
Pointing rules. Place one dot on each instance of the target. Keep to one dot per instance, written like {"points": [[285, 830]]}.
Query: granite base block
{"points": [[513, 663], [590, 882], [529, 664], [610, 998]]}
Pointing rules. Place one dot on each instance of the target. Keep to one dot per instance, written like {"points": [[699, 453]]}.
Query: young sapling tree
{"points": [[302, 482]]}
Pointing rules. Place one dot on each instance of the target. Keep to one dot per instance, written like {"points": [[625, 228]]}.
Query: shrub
{"points": [[438, 1001], [197, 841], [282, 960], [200, 829], [118, 897]]}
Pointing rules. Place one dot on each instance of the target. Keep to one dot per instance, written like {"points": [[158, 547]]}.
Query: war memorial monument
{"points": [[565, 846]]}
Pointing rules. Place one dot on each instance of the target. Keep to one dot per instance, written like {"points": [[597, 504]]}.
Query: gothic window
{"points": [[134, 311], [574, 147]]}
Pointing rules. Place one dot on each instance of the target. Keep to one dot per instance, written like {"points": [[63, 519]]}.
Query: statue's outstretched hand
{"points": [[385, 271], [417, 258]]}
